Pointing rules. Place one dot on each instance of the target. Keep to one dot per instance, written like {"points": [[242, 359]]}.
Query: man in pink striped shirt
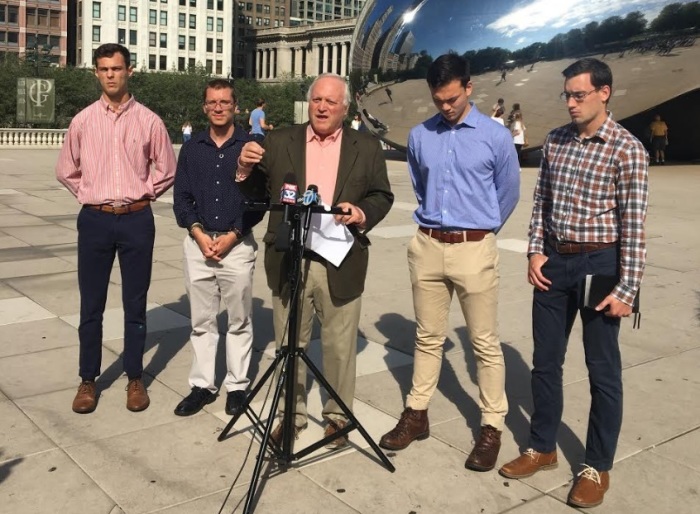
{"points": [[117, 158]]}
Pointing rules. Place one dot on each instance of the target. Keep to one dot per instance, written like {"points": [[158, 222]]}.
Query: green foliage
{"points": [[677, 16]]}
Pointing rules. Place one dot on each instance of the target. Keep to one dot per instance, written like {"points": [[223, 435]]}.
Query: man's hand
{"points": [[251, 154], [534, 272], [205, 243], [355, 216], [223, 244], [614, 308]]}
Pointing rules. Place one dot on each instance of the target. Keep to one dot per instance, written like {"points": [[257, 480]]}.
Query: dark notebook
{"points": [[597, 287]]}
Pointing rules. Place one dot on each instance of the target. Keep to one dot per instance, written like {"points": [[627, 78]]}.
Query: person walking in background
{"points": [[466, 179], [219, 252], [498, 106], [186, 132], [350, 171], [498, 116], [388, 93], [258, 126], [116, 159], [590, 205], [659, 139], [511, 115], [356, 122], [518, 130]]}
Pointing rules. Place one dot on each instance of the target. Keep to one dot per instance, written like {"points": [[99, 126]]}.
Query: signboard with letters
{"points": [[36, 100]]}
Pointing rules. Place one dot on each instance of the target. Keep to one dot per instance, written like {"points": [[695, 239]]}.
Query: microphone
{"points": [[289, 193], [311, 196], [288, 198]]}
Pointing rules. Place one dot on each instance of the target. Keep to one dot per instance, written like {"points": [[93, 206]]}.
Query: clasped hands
{"points": [[214, 248]]}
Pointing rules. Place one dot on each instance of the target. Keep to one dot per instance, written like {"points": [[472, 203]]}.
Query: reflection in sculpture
{"points": [[517, 50]]}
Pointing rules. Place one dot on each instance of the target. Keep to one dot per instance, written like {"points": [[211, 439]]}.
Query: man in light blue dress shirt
{"points": [[466, 177]]}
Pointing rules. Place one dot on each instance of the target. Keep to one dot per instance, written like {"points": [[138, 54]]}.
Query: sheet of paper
{"points": [[328, 238]]}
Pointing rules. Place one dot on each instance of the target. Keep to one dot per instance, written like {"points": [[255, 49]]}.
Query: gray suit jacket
{"points": [[362, 181]]}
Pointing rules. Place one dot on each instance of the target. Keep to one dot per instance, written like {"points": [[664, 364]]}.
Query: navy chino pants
{"points": [[553, 315], [101, 236]]}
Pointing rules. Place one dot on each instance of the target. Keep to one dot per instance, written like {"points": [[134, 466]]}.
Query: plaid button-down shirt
{"points": [[594, 190]]}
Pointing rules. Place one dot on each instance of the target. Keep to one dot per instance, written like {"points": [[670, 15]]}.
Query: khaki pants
{"points": [[471, 270], [339, 321]]}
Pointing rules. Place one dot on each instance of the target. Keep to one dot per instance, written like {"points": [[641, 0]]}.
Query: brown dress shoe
{"points": [[529, 463], [333, 426], [483, 456], [85, 400], [413, 425], [136, 396], [589, 489], [276, 434]]}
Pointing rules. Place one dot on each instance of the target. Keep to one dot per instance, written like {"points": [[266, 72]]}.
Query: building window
{"points": [[219, 46], [55, 19], [151, 62], [193, 21], [192, 42], [210, 44], [163, 62], [96, 33], [209, 65], [153, 17], [164, 41], [193, 3], [219, 5], [181, 42], [210, 4], [219, 67], [132, 37], [133, 14], [258, 21], [182, 20], [191, 63], [180, 64], [183, 3], [164, 18], [97, 10], [219, 24], [152, 37], [266, 22], [121, 13], [12, 17], [133, 58], [210, 24], [121, 36]]}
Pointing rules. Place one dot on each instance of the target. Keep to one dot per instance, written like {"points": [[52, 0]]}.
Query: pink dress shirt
{"points": [[116, 157]]}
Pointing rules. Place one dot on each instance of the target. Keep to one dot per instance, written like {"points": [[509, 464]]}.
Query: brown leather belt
{"points": [[455, 236], [571, 247], [120, 209]]}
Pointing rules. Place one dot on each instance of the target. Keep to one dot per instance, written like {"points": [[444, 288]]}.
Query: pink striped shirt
{"points": [[116, 158]]}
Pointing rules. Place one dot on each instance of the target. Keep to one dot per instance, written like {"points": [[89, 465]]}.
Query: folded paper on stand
{"points": [[328, 238]]}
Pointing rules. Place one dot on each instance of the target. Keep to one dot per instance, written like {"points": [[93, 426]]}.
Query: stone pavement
{"points": [[115, 461]]}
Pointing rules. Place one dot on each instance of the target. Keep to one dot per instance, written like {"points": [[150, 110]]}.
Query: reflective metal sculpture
{"points": [[517, 50]]}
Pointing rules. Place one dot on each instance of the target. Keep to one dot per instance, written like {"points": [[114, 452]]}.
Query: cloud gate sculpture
{"points": [[517, 50]]}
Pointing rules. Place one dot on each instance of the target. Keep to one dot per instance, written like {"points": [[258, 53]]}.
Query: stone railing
{"points": [[31, 138]]}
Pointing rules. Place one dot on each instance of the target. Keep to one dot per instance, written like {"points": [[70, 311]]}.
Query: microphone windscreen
{"points": [[290, 189]]}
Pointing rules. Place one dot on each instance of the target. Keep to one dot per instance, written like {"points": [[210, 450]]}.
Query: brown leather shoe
{"points": [[529, 463], [276, 434], [413, 425], [590, 487], [85, 400], [483, 456], [333, 426], [136, 396]]}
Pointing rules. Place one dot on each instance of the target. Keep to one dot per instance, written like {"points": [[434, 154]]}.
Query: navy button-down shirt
{"points": [[205, 190]]}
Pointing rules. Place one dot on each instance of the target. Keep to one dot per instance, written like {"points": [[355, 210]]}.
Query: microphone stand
{"points": [[285, 361]]}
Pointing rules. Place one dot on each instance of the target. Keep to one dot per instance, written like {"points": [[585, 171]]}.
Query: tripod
{"points": [[285, 361]]}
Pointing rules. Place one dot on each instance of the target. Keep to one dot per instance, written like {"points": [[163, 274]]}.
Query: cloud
{"points": [[558, 14]]}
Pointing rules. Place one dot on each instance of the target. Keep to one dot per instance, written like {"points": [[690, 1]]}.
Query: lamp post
{"points": [[39, 55]]}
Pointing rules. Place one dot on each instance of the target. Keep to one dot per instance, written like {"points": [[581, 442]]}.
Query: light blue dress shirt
{"points": [[466, 176]]}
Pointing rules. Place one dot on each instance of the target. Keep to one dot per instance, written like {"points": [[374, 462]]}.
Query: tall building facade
{"points": [[35, 29], [161, 35], [314, 11], [249, 17]]}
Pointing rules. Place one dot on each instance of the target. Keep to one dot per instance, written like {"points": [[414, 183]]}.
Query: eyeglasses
{"points": [[224, 104], [579, 96]]}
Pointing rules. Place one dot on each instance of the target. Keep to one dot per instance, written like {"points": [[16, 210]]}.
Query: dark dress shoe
{"points": [[194, 402], [483, 456], [235, 401], [86, 398]]}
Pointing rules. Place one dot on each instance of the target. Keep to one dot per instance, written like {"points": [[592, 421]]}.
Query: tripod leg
{"points": [[317, 373], [249, 399]]}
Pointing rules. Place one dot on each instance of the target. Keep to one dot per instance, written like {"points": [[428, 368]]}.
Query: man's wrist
{"points": [[197, 225]]}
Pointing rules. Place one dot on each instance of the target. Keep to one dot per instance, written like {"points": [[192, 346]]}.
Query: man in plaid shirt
{"points": [[590, 205]]}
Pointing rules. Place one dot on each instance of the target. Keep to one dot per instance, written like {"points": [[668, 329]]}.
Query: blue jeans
{"points": [[101, 236], [553, 315]]}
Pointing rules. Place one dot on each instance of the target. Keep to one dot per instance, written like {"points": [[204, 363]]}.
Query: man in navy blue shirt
{"points": [[219, 251], [466, 178]]}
